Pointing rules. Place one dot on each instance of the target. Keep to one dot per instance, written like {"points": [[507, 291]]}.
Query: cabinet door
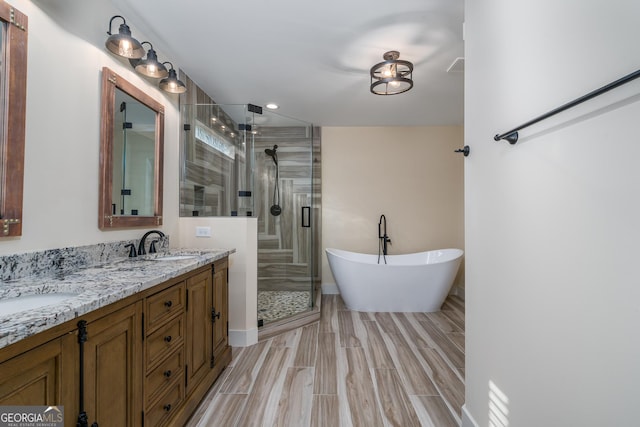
{"points": [[221, 307], [198, 344], [43, 376], [112, 368]]}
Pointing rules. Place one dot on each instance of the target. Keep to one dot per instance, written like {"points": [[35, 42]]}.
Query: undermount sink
{"points": [[31, 302], [174, 257]]}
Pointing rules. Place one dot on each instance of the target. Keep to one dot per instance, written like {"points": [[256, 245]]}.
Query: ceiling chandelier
{"points": [[391, 77]]}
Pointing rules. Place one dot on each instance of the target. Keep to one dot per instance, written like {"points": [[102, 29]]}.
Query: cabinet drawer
{"points": [[159, 412], [164, 305], [164, 374], [164, 341]]}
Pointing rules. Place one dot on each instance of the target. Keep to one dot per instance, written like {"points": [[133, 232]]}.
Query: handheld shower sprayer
{"points": [[271, 152], [275, 209]]}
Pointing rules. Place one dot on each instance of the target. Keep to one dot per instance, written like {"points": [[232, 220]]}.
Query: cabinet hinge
{"points": [[142, 328], [227, 328], [142, 418], [186, 300], [213, 269], [213, 358], [186, 375]]}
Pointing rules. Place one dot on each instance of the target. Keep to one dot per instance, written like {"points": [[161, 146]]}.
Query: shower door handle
{"points": [[306, 216]]}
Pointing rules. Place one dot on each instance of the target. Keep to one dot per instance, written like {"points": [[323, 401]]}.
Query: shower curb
{"points": [[290, 323]]}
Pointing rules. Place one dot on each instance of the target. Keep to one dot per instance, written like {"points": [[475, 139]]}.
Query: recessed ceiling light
{"points": [[272, 106]]}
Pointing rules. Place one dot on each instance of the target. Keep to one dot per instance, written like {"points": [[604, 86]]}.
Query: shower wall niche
{"points": [[231, 167]]}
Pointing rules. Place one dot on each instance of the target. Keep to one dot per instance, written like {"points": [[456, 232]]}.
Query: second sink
{"points": [[174, 257]]}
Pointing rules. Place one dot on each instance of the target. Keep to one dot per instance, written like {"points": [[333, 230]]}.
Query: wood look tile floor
{"points": [[348, 369]]}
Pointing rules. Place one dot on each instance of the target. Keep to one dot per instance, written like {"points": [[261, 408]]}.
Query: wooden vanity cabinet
{"points": [[181, 370], [207, 348], [148, 359]]}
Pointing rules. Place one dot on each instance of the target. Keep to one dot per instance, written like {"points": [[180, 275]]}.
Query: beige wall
{"points": [[61, 165], [409, 174], [240, 234]]}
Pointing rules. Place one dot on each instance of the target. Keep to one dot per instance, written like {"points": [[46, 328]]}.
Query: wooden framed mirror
{"points": [[13, 101], [131, 155]]}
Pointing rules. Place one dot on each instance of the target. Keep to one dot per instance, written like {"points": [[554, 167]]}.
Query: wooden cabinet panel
{"points": [[43, 376], [113, 361], [163, 341], [221, 307], [166, 406], [199, 349], [162, 306], [165, 373], [33, 378]]}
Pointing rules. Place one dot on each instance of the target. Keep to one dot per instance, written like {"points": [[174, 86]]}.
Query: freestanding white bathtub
{"points": [[417, 282]]}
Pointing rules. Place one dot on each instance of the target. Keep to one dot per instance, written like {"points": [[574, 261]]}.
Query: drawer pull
{"points": [[168, 303], [167, 338], [167, 407], [167, 373]]}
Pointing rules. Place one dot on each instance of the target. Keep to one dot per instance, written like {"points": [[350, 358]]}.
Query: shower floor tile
{"points": [[274, 305]]}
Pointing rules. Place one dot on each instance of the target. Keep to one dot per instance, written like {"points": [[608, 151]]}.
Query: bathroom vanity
{"points": [[134, 343]]}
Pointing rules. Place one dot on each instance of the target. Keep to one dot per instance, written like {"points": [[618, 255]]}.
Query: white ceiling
{"points": [[312, 57]]}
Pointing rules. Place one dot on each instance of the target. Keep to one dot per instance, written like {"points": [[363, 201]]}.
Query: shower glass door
{"points": [[241, 160], [283, 174]]}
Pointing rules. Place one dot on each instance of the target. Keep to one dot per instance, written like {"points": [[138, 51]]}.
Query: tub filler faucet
{"points": [[383, 239]]}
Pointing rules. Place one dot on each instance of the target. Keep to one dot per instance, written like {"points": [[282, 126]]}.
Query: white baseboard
{"points": [[243, 338], [330, 288], [467, 419]]}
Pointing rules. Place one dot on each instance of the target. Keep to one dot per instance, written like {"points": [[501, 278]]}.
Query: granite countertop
{"points": [[95, 287]]}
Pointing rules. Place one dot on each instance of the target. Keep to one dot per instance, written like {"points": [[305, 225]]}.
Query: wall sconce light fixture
{"points": [[150, 66], [171, 84], [391, 77], [122, 44]]}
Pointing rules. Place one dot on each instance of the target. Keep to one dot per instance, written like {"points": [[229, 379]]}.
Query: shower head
{"points": [[271, 152]]}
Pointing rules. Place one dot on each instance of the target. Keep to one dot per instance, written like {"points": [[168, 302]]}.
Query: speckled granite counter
{"points": [[95, 287]]}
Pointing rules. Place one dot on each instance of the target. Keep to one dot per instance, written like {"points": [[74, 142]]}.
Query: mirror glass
{"points": [[13, 90], [133, 157], [132, 141]]}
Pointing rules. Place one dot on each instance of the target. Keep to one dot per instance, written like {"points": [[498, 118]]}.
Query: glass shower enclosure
{"points": [[241, 160]]}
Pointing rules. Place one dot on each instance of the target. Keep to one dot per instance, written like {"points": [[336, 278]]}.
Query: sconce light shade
{"points": [[122, 44], [391, 77], [171, 84], [150, 66]]}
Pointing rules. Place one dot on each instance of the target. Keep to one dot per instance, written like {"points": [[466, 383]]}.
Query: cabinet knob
{"points": [[167, 338], [167, 373], [168, 303], [167, 407]]}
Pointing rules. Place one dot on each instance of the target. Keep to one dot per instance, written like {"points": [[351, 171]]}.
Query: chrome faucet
{"points": [[152, 247], [383, 238]]}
